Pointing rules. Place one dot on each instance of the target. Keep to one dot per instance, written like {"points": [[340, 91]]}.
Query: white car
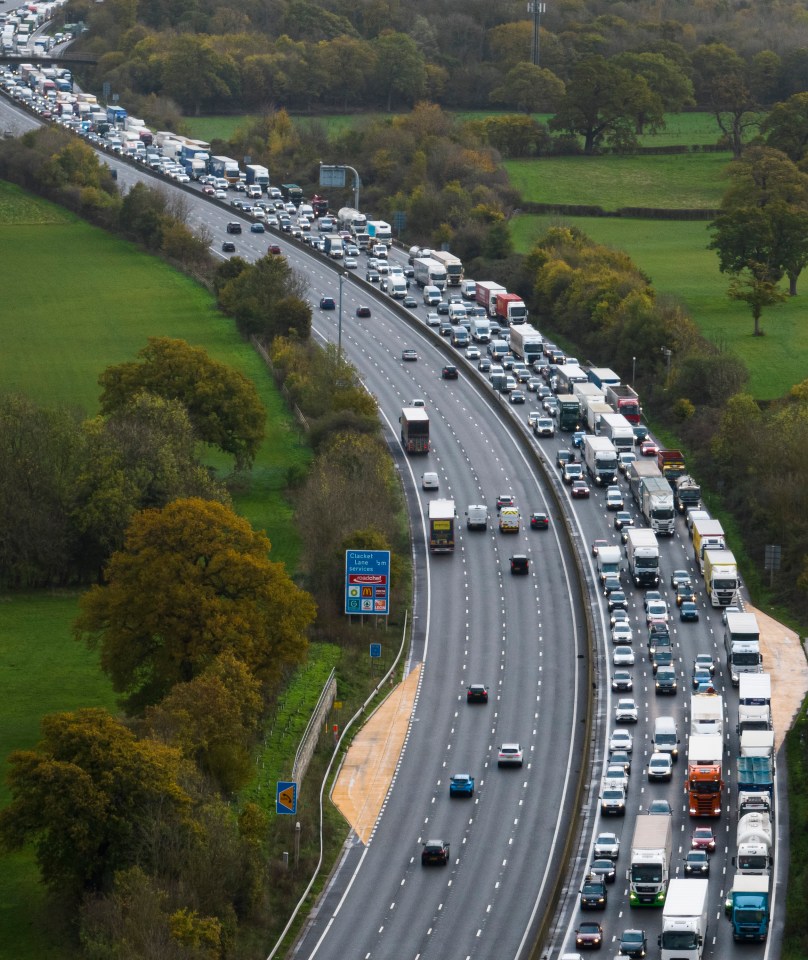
{"points": [[510, 755], [607, 846], [660, 766], [350, 263], [545, 427], [432, 319], [220, 194], [626, 711], [656, 611], [623, 657], [621, 740], [472, 353], [429, 481], [625, 460], [616, 772], [614, 498], [622, 633]]}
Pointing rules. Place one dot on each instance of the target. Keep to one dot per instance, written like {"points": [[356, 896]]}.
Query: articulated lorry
{"points": [[486, 293], [748, 907], [742, 645], [223, 167], [687, 493], [600, 458], [569, 412], [754, 707], [656, 505], [624, 401], [754, 844], [441, 526], [705, 754], [414, 422], [509, 308], [642, 554], [452, 265], [595, 410], [707, 714], [618, 430], [649, 870], [526, 343], [379, 231], [429, 273], [721, 577], [684, 920], [257, 175], [603, 377], [672, 465], [706, 535], [352, 220], [567, 376]]}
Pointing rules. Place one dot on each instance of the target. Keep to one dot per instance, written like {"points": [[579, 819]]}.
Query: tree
{"points": [[786, 127], [192, 582], [602, 102], [665, 78], [529, 88], [723, 83], [193, 73], [758, 292], [223, 404], [401, 68], [85, 796]]}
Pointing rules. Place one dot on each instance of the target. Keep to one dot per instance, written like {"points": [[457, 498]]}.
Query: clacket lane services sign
{"points": [[367, 582]]}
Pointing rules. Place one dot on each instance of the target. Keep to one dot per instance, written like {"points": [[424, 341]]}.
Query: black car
{"points": [[697, 863], [603, 868], [665, 681], [443, 307], [435, 852], [327, 303], [634, 944], [477, 693], [640, 433], [617, 598], [623, 519], [563, 457], [410, 302], [593, 893], [234, 227], [228, 246], [484, 364], [520, 564], [449, 372]]}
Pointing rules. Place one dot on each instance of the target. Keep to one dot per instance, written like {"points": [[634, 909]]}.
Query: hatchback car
{"points": [[477, 693], [597, 544], [703, 839], [429, 481], [623, 519], [593, 893], [505, 500], [656, 611], [619, 758], [516, 396], [617, 598], [688, 612], [435, 852], [327, 303], [624, 461], [409, 354], [679, 576], [520, 564], [461, 785], [697, 864], [410, 302], [449, 372], [704, 660], [626, 711], [578, 439], [363, 311], [633, 944], [665, 681], [432, 319], [660, 767], [228, 246], [234, 227], [648, 448], [484, 364], [539, 521], [611, 582], [350, 263], [662, 657], [589, 936], [660, 808], [623, 657], [510, 755], [614, 498], [607, 845], [257, 228], [621, 740]]}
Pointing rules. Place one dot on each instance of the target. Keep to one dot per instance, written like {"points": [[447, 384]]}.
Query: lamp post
{"points": [[537, 9], [342, 278], [668, 354], [633, 370]]}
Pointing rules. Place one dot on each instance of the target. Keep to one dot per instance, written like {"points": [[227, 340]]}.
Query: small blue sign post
{"points": [[286, 797], [367, 582], [375, 651]]}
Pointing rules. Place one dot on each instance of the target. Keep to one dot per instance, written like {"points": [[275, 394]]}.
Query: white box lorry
{"points": [[707, 713], [684, 920], [600, 458]]}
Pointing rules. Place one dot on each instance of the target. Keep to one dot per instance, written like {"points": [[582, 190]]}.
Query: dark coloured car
{"points": [[563, 457], [327, 303], [662, 658], [516, 396], [622, 681], [363, 311], [593, 893], [257, 228], [520, 564], [539, 521], [449, 372], [410, 302], [617, 598], [445, 328], [660, 808], [603, 868], [372, 276], [697, 864], [578, 439], [580, 489], [633, 944], [685, 593], [688, 611], [234, 227], [477, 693], [611, 583], [435, 852], [640, 433], [484, 364], [274, 249], [597, 544], [443, 307], [623, 519], [589, 936], [228, 246], [665, 681]]}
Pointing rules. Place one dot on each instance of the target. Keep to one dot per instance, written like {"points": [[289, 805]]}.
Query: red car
{"points": [[648, 448], [589, 935], [274, 248], [208, 190], [363, 311], [580, 489], [703, 839]]}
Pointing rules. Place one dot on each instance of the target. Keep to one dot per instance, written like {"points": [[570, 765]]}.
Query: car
{"points": [[228, 246], [688, 612], [550, 404], [617, 598], [640, 433], [432, 320], [417, 402], [648, 448], [472, 352], [350, 263], [510, 755], [327, 303], [372, 275], [665, 681], [593, 893], [409, 302], [662, 657], [533, 384], [533, 417], [429, 480], [697, 864], [621, 740], [701, 677], [461, 785], [727, 610], [611, 582], [703, 839], [614, 498], [520, 564], [660, 767], [623, 519], [685, 593], [274, 249], [544, 427], [363, 311], [233, 227], [409, 354], [618, 615], [660, 808], [257, 228], [521, 372], [622, 681], [607, 845], [633, 944], [597, 544], [658, 632], [622, 633], [580, 489], [621, 759], [658, 640], [477, 693], [449, 372], [623, 656], [484, 364], [539, 521], [435, 852], [624, 461], [626, 711], [649, 596], [516, 396], [508, 361], [616, 772], [656, 611], [220, 194], [563, 457], [505, 500], [589, 936], [704, 660], [604, 868], [679, 576], [443, 307], [578, 439]]}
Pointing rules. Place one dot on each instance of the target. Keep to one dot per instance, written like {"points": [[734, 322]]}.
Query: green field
{"points": [[674, 255]]}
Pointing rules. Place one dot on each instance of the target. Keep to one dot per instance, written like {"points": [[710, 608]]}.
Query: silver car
{"points": [[626, 711]]}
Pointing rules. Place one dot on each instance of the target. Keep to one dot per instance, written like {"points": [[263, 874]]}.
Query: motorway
{"points": [[528, 639]]}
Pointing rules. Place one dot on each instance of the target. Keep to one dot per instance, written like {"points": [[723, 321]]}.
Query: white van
{"points": [[457, 312], [477, 516], [397, 287], [468, 289], [432, 296], [666, 737]]}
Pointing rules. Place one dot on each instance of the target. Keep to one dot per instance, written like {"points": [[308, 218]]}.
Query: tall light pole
{"points": [[537, 8], [342, 278], [668, 354], [633, 370]]}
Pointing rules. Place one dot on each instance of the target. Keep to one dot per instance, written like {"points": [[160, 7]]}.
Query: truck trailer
{"points": [[707, 714], [510, 309], [452, 265], [603, 377], [414, 422], [526, 343], [707, 535], [618, 430], [429, 273], [624, 401], [649, 870], [441, 526], [656, 505], [600, 458], [642, 554], [684, 920], [485, 294], [721, 577]]}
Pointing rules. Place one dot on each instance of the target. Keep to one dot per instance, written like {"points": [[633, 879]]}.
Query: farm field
{"points": [[674, 255]]}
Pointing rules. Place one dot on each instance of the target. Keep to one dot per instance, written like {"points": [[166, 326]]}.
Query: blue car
{"points": [[461, 785], [578, 438], [688, 611], [257, 228]]}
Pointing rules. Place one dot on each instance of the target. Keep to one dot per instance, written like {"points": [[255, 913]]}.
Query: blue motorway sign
{"points": [[375, 650], [367, 582], [286, 797]]}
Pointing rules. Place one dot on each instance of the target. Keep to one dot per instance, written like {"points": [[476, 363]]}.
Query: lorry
{"points": [[684, 919], [650, 867], [625, 401], [687, 493], [754, 705], [429, 273], [486, 295], [595, 411], [510, 308], [642, 554], [747, 907], [656, 505], [600, 458], [704, 781], [292, 193], [414, 422], [754, 844], [755, 775], [618, 430], [742, 645], [480, 329], [334, 246], [707, 535], [195, 167], [569, 412], [223, 167], [754, 801], [721, 577], [567, 375], [707, 713], [585, 391], [257, 175], [638, 471], [380, 231], [608, 562], [319, 206], [757, 743], [352, 220], [441, 526], [477, 516], [452, 265], [672, 464], [603, 377], [116, 115], [526, 343]]}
